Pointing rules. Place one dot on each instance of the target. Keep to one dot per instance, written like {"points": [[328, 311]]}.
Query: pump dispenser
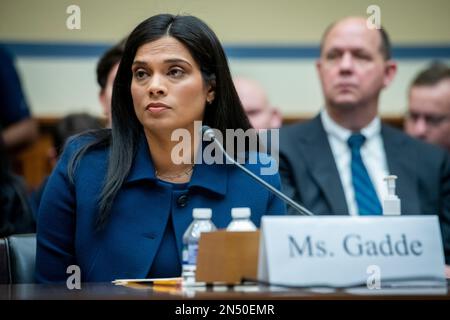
{"points": [[391, 203]]}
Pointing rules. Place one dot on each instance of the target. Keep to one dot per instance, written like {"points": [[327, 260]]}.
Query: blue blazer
{"points": [[127, 246]]}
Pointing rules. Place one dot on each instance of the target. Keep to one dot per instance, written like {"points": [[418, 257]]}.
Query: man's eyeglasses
{"points": [[433, 120]]}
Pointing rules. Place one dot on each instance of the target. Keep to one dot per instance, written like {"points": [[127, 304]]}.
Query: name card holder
{"points": [[342, 251], [227, 257]]}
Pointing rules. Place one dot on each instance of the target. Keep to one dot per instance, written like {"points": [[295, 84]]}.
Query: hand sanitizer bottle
{"points": [[391, 203]]}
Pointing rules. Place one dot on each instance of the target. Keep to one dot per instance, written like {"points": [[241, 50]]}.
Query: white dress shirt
{"points": [[372, 153]]}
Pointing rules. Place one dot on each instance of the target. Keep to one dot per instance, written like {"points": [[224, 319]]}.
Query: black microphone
{"points": [[208, 132]]}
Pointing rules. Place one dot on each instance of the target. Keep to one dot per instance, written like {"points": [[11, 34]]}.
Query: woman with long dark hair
{"points": [[118, 202]]}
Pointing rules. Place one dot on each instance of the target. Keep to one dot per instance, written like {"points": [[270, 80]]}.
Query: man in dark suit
{"points": [[336, 163]]}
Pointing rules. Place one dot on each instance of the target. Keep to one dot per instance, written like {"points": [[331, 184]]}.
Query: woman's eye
{"points": [[140, 74], [176, 72]]}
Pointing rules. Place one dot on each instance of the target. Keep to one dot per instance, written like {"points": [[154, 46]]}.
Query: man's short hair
{"points": [[432, 75], [385, 47], [109, 59]]}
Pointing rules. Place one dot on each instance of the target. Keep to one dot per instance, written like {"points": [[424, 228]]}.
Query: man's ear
{"points": [[319, 69], [276, 120], [390, 72], [318, 65]]}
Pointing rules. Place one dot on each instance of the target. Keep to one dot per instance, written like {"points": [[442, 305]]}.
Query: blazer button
{"points": [[151, 235], [182, 200]]}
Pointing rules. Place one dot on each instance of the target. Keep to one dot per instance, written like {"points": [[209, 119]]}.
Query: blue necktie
{"points": [[365, 194]]}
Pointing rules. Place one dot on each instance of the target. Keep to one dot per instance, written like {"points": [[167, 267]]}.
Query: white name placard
{"points": [[347, 250]]}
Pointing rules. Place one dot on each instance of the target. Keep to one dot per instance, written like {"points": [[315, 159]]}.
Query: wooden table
{"points": [[109, 291]]}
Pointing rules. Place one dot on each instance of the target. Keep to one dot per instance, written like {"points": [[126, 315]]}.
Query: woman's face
{"points": [[167, 87]]}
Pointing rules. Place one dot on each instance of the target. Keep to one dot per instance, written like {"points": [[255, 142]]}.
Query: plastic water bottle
{"points": [[241, 220], [202, 223]]}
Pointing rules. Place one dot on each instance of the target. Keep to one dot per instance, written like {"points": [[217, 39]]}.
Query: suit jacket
{"points": [[126, 247], [310, 176]]}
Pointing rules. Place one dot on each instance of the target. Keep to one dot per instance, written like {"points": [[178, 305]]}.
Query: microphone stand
{"points": [[300, 209]]}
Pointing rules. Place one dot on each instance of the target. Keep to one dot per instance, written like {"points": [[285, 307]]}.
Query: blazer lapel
{"points": [[400, 161], [323, 168]]}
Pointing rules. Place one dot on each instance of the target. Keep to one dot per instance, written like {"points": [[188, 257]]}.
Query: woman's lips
{"points": [[157, 107]]}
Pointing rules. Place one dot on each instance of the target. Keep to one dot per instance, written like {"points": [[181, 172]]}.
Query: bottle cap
{"points": [[202, 213], [240, 213]]}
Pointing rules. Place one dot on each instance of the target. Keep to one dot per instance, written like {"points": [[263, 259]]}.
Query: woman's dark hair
{"points": [[225, 112]]}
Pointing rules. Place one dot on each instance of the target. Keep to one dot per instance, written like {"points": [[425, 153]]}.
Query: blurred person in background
{"points": [[428, 116], [18, 129], [106, 73], [260, 112], [67, 127], [263, 116], [15, 210]]}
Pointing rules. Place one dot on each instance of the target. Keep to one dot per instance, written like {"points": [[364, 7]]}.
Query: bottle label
{"points": [[190, 254]]}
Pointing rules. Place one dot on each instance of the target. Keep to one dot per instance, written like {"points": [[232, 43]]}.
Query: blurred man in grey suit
{"points": [[324, 162]]}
